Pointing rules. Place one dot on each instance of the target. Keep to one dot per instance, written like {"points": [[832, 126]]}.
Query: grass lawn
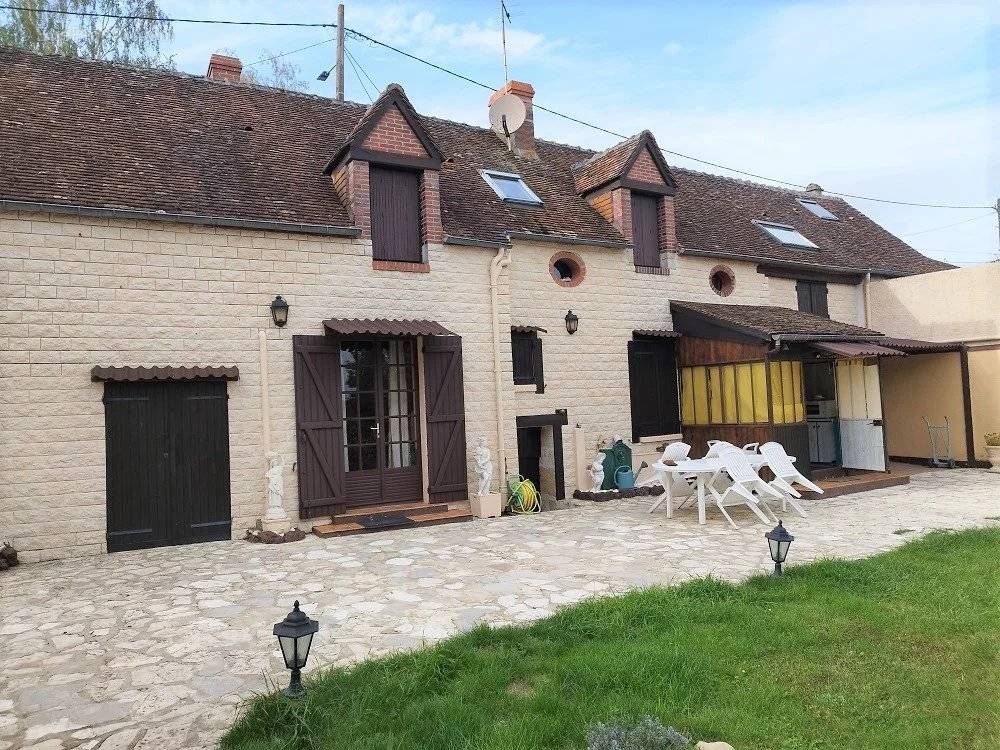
{"points": [[899, 651]]}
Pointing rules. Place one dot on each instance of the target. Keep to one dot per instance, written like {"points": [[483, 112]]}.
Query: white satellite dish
{"points": [[507, 114]]}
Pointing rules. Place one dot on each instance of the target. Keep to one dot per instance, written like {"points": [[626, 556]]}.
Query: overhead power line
{"points": [[948, 226], [286, 54], [359, 35], [129, 17]]}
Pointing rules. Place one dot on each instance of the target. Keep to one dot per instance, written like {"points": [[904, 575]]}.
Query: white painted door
{"points": [[862, 438]]}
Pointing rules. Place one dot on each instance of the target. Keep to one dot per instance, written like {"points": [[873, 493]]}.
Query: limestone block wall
{"points": [[76, 292]]}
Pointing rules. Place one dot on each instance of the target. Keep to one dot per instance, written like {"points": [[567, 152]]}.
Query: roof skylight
{"points": [[817, 209], [510, 187], [786, 235]]}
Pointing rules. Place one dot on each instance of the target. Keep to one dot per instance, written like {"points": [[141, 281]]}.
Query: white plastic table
{"points": [[703, 469]]}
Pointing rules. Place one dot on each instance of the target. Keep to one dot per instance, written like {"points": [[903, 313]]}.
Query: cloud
{"points": [[672, 49], [423, 32]]}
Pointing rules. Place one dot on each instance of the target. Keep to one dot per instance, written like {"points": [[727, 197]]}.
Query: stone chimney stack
{"points": [[224, 68], [814, 190], [523, 139]]}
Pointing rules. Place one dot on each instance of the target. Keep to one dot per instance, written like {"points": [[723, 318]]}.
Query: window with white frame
{"points": [[786, 235], [510, 187], [817, 210]]}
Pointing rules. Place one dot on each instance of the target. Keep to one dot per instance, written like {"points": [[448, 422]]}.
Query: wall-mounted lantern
{"points": [[279, 311], [572, 322]]}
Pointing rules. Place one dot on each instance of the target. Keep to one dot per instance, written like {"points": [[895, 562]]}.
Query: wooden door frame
{"points": [[556, 421]]}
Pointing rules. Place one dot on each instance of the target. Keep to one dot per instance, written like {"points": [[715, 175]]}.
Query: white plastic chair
{"points": [[745, 483], [751, 448], [715, 448], [682, 486], [786, 475]]}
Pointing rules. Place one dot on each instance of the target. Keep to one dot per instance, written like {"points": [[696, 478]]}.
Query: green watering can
{"points": [[625, 477]]}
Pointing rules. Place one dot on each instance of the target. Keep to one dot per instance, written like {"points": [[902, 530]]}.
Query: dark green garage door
{"points": [[167, 463]]}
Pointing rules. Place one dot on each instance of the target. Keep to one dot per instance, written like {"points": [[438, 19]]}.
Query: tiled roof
{"points": [[715, 215], [613, 163], [770, 320], [98, 135]]}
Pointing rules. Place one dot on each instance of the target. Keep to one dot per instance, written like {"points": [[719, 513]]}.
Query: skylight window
{"points": [[786, 235], [510, 187], [817, 209]]}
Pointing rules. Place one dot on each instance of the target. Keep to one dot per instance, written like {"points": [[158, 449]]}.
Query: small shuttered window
{"points": [[812, 297], [645, 230], [395, 214], [526, 353]]}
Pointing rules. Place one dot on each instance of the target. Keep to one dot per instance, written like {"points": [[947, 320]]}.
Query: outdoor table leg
{"points": [[701, 498], [667, 497]]}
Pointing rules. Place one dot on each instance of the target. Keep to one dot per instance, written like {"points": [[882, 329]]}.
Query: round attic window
{"points": [[723, 280], [567, 269]]}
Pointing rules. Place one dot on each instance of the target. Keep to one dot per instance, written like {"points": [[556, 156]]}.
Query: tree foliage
{"points": [[134, 41], [277, 72]]}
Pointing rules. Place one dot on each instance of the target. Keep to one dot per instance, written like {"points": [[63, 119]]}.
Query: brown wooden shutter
{"points": [[820, 306], [645, 230], [444, 390], [319, 425], [395, 214], [652, 376], [804, 295]]}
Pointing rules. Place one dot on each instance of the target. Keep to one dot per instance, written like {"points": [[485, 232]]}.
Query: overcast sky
{"points": [[887, 99]]}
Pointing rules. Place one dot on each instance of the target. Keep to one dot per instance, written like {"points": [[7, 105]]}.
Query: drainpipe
{"points": [[864, 296], [500, 261]]}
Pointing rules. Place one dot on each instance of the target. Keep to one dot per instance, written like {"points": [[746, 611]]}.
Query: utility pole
{"points": [[340, 52], [998, 230]]}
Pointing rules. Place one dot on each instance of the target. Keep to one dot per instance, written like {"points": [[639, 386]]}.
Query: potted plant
{"points": [[993, 450]]}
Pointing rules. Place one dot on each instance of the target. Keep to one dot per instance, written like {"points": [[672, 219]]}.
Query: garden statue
{"points": [[484, 468], [275, 518], [597, 473]]}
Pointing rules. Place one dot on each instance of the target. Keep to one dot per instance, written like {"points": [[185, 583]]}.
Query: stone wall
{"points": [[82, 291]]}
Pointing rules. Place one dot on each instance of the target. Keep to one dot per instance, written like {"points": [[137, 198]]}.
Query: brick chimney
{"points": [[224, 68], [523, 139]]}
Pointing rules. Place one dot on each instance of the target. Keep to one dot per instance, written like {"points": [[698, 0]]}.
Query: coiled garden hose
{"points": [[524, 498]]}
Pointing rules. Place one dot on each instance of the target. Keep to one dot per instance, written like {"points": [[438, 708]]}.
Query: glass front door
{"points": [[381, 421]]}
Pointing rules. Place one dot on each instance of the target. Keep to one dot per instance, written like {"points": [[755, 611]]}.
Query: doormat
{"points": [[382, 520]]}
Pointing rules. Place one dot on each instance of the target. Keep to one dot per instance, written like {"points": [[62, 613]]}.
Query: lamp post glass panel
{"points": [[279, 311], [572, 322], [295, 634], [779, 540]]}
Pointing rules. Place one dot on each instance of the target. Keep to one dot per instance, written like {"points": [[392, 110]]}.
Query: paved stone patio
{"points": [[156, 648]]}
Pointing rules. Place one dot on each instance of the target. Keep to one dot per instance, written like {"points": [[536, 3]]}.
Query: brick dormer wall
{"points": [[388, 138], [393, 135]]}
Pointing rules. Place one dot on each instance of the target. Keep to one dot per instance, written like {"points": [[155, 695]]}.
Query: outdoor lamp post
{"points": [[279, 311], [295, 634], [778, 539], [572, 322]]}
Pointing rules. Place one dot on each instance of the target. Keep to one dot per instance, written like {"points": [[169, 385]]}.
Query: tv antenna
{"points": [[504, 20]]}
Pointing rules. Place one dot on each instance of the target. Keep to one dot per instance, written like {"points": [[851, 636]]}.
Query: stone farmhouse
{"points": [[203, 278]]}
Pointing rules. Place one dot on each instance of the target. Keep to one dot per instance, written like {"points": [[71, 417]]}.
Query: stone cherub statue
{"points": [[275, 515], [484, 467], [597, 473]]}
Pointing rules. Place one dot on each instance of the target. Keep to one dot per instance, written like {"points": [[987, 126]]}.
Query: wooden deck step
{"points": [[410, 509], [846, 485], [345, 527]]}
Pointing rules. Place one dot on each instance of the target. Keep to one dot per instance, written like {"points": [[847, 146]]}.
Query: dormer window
{"points": [[817, 210], [510, 187], [786, 235]]}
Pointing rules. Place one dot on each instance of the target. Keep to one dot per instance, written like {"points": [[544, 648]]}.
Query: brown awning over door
{"points": [[384, 327], [163, 372], [853, 349]]}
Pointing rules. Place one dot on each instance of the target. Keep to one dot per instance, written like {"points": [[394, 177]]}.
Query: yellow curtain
{"points": [[700, 395], [744, 394], [729, 415], [687, 396], [714, 395], [759, 392]]}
